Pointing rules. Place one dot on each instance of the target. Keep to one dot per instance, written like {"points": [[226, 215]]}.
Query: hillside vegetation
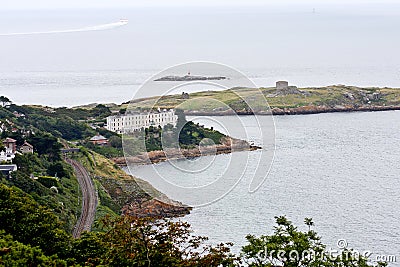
{"points": [[52, 183], [31, 235]]}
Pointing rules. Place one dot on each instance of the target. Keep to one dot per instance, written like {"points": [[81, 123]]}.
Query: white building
{"points": [[132, 122], [6, 156]]}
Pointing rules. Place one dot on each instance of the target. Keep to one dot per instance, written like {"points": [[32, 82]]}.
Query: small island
{"points": [[188, 77]]}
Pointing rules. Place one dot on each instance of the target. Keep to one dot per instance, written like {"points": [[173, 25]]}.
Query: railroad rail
{"points": [[89, 199]]}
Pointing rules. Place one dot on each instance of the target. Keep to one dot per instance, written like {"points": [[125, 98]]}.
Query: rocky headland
{"points": [[227, 146]]}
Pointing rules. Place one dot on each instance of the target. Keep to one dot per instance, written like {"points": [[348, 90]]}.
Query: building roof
{"points": [[8, 167], [27, 144], [98, 138], [9, 140], [143, 113]]}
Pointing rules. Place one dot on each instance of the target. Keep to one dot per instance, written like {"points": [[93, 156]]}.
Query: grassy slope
{"points": [[330, 96], [115, 187]]}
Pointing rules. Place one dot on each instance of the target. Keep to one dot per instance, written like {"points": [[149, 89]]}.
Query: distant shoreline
{"points": [[296, 111]]}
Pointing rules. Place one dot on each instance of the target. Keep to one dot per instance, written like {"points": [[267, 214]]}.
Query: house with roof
{"points": [[18, 115], [8, 154], [10, 144], [26, 148], [99, 140]]}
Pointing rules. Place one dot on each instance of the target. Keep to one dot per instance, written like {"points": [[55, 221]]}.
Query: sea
{"points": [[340, 169]]}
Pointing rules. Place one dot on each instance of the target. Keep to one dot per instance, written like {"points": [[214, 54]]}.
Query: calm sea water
{"points": [[340, 169], [353, 44], [73, 88]]}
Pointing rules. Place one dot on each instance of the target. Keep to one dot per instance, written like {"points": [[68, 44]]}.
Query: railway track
{"points": [[89, 199]]}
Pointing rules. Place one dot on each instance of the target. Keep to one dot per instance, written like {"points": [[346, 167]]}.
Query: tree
{"points": [[134, 241], [14, 253], [4, 101], [69, 128], [30, 223], [100, 111], [115, 141], [58, 169], [29, 163], [290, 247], [46, 144], [309, 223], [89, 249]]}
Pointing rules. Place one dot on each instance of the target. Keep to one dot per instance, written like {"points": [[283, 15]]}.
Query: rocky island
{"points": [[189, 78]]}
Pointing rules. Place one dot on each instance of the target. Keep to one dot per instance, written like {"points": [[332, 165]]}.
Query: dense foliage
{"points": [[186, 134], [27, 229], [67, 123], [30, 223], [125, 241], [14, 253], [290, 247], [47, 178]]}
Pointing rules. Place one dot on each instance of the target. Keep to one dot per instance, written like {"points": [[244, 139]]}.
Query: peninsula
{"points": [[282, 100]]}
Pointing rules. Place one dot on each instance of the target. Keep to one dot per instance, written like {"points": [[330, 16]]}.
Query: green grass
{"points": [[114, 186], [106, 206]]}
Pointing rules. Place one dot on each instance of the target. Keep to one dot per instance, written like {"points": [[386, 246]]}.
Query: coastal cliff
{"points": [[126, 194]]}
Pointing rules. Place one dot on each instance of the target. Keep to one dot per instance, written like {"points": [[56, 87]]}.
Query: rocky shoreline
{"points": [[295, 111], [175, 154], [156, 209]]}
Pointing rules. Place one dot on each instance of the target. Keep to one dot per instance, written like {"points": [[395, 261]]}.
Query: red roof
{"points": [[9, 140]]}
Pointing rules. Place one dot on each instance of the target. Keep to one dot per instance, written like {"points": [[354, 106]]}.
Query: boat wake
{"points": [[100, 27]]}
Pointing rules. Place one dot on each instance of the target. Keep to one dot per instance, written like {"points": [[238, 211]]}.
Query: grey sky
{"points": [[51, 4]]}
